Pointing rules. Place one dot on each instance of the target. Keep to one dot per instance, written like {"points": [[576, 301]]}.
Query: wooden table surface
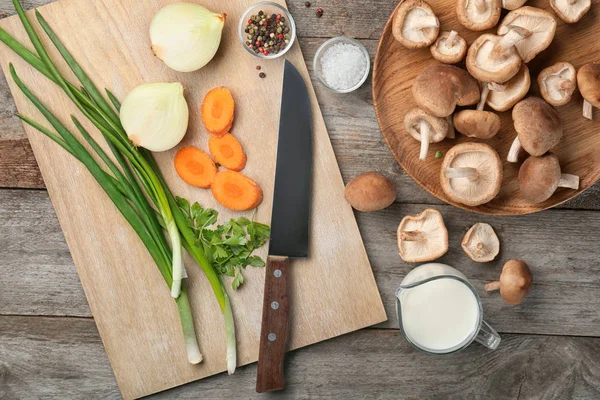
{"points": [[50, 348]]}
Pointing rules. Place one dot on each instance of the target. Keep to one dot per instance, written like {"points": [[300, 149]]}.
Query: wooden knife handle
{"points": [[273, 334]]}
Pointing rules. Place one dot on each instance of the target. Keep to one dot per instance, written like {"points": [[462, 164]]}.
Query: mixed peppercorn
{"points": [[267, 34]]}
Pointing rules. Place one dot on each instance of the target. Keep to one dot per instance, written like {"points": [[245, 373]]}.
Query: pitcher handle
{"points": [[488, 336]]}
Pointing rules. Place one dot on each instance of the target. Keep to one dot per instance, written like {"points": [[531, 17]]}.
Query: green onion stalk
{"points": [[129, 184]]}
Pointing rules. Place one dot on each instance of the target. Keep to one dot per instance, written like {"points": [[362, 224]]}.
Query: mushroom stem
{"points": [[451, 40], [514, 36], [564, 84], [587, 110], [425, 136], [513, 153], [484, 95], [451, 134], [490, 287], [412, 236], [462, 172], [480, 249], [569, 181], [572, 2], [497, 87], [425, 22]]}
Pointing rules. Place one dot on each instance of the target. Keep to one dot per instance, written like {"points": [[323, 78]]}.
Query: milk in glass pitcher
{"points": [[440, 312]]}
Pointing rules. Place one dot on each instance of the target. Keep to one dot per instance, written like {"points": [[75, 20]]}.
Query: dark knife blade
{"points": [[293, 174], [289, 224]]}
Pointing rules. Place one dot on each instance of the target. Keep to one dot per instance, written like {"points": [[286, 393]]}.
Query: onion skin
{"points": [[186, 36], [155, 116]]}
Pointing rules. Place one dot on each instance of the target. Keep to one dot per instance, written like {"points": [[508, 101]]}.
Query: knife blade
{"points": [[289, 224]]}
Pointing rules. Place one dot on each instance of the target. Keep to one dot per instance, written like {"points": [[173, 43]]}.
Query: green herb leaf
{"points": [[238, 280], [255, 261], [227, 247]]}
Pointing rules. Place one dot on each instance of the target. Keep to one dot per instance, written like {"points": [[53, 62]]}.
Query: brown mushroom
{"points": [[503, 97], [449, 48], [477, 124], [513, 4], [588, 79], [370, 192], [415, 24], [538, 25], [425, 128], [557, 83], [538, 128], [439, 88], [515, 282], [494, 58], [422, 237], [571, 11], [481, 243], [471, 174], [478, 15], [539, 177]]}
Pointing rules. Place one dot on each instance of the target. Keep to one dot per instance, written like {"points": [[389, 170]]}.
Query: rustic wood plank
{"points": [[57, 358], [33, 254], [560, 246], [18, 165]]}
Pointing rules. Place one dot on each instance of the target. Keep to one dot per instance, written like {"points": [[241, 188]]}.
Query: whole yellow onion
{"points": [[186, 36]]}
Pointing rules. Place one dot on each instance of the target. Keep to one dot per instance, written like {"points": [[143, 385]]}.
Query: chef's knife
{"points": [[289, 224]]}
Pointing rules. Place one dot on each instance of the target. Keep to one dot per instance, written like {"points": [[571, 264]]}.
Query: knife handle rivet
{"points": [[277, 273], [274, 305], [272, 337]]}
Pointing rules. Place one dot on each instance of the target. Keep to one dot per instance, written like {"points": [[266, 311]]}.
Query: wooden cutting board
{"points": [[332, 293]]}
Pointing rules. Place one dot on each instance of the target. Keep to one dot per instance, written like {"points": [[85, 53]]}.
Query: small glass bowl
{"points": [[268, 7], [319, 54]]}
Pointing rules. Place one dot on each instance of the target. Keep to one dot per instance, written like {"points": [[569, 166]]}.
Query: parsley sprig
{"points": [[227, 247]]}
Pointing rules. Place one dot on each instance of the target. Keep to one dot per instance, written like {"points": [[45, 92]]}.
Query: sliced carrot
{"points": [[236, 191], [217, 111], [195, 167], [227, 151]]}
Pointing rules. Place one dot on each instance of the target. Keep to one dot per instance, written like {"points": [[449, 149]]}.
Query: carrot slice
{"points": [[195, 167], [217, 111], [236, 191], [227, 151]]}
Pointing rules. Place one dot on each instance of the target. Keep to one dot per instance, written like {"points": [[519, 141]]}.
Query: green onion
{"points": [[123, 181]]}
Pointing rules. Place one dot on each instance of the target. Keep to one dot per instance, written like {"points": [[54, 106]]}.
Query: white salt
{"points": [[343, 66]]}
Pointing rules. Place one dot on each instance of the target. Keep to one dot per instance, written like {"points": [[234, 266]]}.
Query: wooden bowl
{"points": [[579, 150]]}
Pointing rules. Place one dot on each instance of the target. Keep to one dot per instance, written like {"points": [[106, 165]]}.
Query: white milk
{"points": [[439, 316]]}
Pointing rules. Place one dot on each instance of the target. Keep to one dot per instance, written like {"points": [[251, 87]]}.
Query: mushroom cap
{"points": [[478, 15], [553, 87], [481, 243], [487, 163], [515, 281], [422, 237], [484, 65], [538, 125], [438, 126], [405, 26], [477, 124], [370, 191], [571, 12], [449, 54], [513, 4], [588, 79], [540, 23], [439, 88], [539, 177], [516, 88]]}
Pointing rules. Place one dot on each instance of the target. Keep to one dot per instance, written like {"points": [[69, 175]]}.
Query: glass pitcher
{"points": [[440, 312]]}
